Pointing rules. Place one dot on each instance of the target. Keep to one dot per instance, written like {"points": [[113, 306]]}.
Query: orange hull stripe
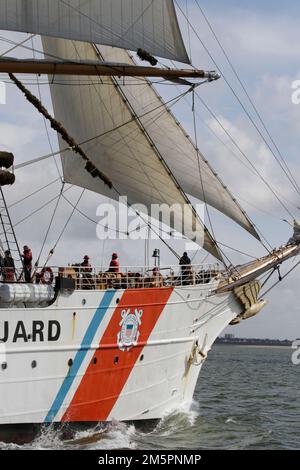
{"points": [[109, 369]]}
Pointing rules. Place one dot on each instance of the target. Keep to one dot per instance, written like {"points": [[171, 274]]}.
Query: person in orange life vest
{"points": [[27, 262], [86, 265], [114, 266]]}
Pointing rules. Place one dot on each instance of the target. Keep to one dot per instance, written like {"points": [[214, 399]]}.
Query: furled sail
{"points": [[124, 153], [194, 175], [130, 24]]}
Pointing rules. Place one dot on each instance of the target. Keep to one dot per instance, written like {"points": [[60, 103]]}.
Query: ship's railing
{"points": [[139, 277], [128, 277]]}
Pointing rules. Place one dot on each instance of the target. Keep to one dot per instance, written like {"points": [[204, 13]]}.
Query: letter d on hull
{"points": [[54, 330]]}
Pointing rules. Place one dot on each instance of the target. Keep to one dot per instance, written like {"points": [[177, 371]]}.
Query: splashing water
{"points": [[245, 399]]}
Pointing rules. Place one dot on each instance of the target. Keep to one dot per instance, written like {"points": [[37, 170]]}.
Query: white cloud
{"points": [[241, 177], [271, 38], [14, 137]]}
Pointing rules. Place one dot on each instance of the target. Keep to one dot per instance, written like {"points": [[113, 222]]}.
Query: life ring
{"points": [[46, 276]]}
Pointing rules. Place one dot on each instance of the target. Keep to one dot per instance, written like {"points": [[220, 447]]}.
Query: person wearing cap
{"points": [[27, 263], [86, 264], [86, 270], [114, 266]]}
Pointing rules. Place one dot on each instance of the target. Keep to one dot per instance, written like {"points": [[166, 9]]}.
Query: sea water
{"points": [[246, 398]]}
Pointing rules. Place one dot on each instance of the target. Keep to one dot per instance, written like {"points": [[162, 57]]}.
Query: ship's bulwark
{"points": [[121, 355]]}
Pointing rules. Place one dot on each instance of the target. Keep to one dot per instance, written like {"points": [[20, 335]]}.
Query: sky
{"points": [[262, 40]]}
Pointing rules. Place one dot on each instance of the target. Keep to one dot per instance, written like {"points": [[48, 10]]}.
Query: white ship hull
{"points": [[96, 356]]}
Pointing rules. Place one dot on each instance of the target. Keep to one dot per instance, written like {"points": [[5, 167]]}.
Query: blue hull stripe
{"points": [[80, 355]]}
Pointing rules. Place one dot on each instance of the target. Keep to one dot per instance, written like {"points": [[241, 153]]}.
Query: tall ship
{"points": [[79, 344]]}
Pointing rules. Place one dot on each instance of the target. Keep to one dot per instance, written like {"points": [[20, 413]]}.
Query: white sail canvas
{"points": [[123, 153], [130, 24]]}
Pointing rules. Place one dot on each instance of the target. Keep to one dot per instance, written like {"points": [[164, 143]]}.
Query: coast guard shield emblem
{"points": [[129, 334]]}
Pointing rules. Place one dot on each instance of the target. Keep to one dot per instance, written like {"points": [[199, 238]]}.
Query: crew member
{"points": [[8, 267], [185, 264], [86, 270], [114, 266], [27, 263], [86, 265]]}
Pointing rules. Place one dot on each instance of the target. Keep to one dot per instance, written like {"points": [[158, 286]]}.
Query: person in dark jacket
{"points": [[86, 273], [27, 263], [8, 269], [185, 264], [86, 265]]}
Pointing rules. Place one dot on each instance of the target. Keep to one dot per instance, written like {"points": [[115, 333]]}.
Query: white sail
{"points": [[194, 175], [130, 24], [190, 168], [124, 154]]}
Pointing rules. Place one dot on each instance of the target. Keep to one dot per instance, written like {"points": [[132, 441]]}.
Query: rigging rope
{"points": [[52, 251], [57, 126], [16, 45], [280, 280], [240, 102], [44, 119], [40, 159], [50, 224], [252, 168], [250, 99], [237, 251], [146, 224], [245, 156], [170, 102], [68, 221], [21, 44], [81, 83], [138, 120], [188, 30], [249, 168], [200, 175], [33, 194], [39, 209], [62, 131]]}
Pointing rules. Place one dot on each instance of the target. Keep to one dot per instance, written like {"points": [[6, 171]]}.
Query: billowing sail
{"points": [[191, 171], [190, 168], [130, 24], [123, 153]]}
